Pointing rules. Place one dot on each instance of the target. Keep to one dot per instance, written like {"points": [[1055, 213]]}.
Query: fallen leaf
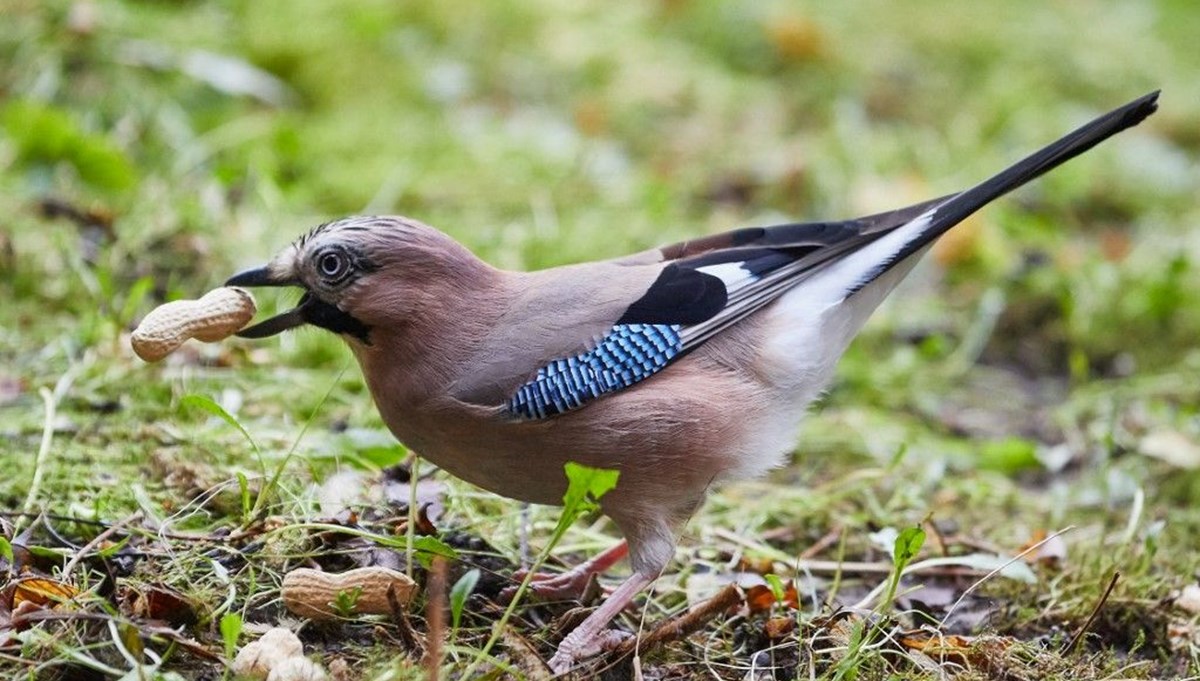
{"points": [[760, 597], [778, 627], [971, 651], [159, 602], [763, 566], [42, 591], [1051, 552]]}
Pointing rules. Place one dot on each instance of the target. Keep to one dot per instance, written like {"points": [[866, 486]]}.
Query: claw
{"points": [[566, 656], [572, 585]]}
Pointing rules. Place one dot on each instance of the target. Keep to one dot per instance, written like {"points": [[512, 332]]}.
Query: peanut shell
{"points": [[215, 316]]}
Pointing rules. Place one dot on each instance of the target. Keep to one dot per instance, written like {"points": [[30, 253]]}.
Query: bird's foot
{"points": [[573, 649], [576, 584]]}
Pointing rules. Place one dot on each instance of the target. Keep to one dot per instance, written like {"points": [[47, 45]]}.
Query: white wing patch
{"points": [[732, 274], [832, 283]]}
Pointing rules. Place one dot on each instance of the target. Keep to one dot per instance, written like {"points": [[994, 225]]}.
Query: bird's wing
{"points": [[705, 286]]}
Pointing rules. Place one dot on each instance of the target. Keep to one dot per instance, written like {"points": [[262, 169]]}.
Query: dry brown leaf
{"points": [[968, 651], [42, 591], [762, 566], [777, 627], [760, 598], [160, 602], [1052, 552]]}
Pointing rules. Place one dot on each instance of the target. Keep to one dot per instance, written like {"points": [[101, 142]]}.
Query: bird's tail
{"points": [[922, 231]]}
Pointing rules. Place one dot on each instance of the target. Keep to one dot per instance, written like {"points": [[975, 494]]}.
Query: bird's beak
{"points": [[260, 276], [263, 276]]}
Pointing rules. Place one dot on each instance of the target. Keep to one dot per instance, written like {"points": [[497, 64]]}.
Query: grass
{"points": [[1038, 373]]}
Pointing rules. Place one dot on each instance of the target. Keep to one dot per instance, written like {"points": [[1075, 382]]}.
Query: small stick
{"points": [[50, 402], [435, 616], [937, 536], [1019, 556], [684, 624], [103, 536], [409, 638], [1092, 617], [831, 537]]}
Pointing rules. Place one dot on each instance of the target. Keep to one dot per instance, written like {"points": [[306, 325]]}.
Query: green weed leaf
{"points": [[231, 631], [206, 404], [459, 593], [776, 586], [428, 547], [585, 486], [908, 545]]}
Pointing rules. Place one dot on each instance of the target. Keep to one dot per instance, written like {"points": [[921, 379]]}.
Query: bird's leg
{"points": [[592, 635], [572, 583]]}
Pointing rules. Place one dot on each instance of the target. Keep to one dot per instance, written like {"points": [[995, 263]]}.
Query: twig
{"points": [[410, 533], [1019, 556], [50, 398], [435, 616], [831, 537], [165, 632], [103, 536], [39, 463], [937, 536], [409, 638], [678, 627], [53, 516], [1092, 617]]}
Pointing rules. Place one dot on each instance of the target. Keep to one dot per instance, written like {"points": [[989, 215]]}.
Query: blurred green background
{"points": [[150, 148]]}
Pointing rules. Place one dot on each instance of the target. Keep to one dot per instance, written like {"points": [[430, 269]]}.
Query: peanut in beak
{"points": [[215, 316]]}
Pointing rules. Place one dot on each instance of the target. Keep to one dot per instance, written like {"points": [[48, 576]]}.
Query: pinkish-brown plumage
{"points": [[680, 367]]}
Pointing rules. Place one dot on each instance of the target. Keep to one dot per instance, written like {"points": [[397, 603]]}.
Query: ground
{"points": [[1036, 379]]}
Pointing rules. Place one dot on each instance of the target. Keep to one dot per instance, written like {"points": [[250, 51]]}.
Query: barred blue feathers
{"points": [[626, 355]]}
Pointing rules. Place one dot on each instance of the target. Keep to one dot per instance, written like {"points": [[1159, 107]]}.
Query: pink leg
{"points": [[591, 636], [570, 584]]}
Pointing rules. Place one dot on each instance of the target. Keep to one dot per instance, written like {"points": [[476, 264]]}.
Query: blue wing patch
{"points": [[626, 355]]}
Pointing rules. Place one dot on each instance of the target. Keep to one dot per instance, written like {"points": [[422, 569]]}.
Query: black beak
{"points": [[261, 276]]}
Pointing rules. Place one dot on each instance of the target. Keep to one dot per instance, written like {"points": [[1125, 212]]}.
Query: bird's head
{"points": [[359, 274]]}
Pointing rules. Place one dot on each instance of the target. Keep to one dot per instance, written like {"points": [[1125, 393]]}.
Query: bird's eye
{"points": [[333, 265]]}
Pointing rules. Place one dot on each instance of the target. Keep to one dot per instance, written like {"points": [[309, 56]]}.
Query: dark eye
{"points": [[333, 264]]}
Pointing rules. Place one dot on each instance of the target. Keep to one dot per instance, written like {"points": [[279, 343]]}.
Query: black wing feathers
{"points": [[684, 294], [680, 295]]}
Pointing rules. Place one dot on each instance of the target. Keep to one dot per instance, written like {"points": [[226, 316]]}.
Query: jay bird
{"points": [[679, 366]]}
